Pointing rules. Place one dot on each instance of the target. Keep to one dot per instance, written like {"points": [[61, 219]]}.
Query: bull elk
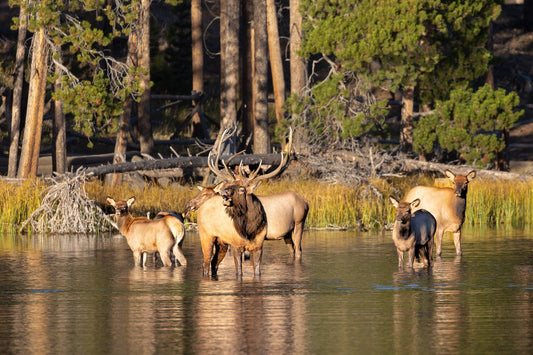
{"points": [[447, 205], [162, 235], [285, 213], [234, 216], [413, 232]]}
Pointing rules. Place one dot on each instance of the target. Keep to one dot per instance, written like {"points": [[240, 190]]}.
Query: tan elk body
{"points": [[163, 235], [447, 205], [285, 213], [235, 217], [413, 232]]}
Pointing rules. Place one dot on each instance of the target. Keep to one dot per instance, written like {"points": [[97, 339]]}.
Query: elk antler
{"points": [[213, 166], [282, 164]]}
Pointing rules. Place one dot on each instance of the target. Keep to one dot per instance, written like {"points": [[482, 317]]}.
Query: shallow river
{"points": [[79, 294]]}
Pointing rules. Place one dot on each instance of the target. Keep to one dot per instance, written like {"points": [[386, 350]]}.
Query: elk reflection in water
{"points": [[60, 294]]}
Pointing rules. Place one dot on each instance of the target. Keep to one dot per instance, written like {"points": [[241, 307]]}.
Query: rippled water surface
{"points": [[82, 294]]}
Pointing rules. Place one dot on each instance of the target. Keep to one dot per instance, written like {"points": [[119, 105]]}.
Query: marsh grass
{"points": [[490, 204], [17, 202]]}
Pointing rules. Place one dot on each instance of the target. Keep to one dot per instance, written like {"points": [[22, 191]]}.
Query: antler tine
{"points": [[214, 166], [284, 161]]}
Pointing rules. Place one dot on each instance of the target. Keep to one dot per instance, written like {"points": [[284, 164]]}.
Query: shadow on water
{"points": [[68, 293]]}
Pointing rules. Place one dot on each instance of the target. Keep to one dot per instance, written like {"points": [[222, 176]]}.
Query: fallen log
{"points": [[410, 165], [181, 162]]}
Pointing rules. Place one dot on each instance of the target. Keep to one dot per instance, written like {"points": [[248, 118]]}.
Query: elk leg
{"points": [[297, 240], [207, 250], [178, 254], [400, 258], [137, 258], [290, 244], [411, 257], [237, 257], [220, 252], [165, 257], [256, 259], [457, 242], [438, 241]]}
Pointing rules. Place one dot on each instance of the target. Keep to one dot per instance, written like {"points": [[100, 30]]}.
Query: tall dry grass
{"points": [[490, 203], [17, 202]]}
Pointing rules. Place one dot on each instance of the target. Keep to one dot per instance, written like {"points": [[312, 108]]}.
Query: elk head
{"points": [[460, 182], [121, 207], [205, 194], [403, 209]]}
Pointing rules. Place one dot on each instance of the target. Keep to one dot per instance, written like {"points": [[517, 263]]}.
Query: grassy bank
{"points": [[490, 203]]}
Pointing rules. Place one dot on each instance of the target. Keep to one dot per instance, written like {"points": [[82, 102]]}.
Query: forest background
{"points": [[365, 87]]}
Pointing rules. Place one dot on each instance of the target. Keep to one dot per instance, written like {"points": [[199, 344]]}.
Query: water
{"points": [[82, 294]]}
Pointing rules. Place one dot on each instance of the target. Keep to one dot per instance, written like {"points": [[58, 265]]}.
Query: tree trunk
{"points": [[276, 63], [489, 77], [31, 142], [17, 94], [247, 67], [144, 124], [59, 156], [182, 162], [298, 65], [260, 82], [406, 135], [199, 128], [230, 56], [223, 38], [528, 15], [124, 122]]}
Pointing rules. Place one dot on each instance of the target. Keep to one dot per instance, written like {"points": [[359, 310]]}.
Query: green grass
{"points": [[490, 204]]}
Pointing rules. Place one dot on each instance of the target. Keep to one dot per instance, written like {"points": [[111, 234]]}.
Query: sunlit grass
{"points": [[490, 203], [17, 202]]}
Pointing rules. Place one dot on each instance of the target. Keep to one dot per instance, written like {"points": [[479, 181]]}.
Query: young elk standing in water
{"points": [[448, 205], [413, 232], [149, 236]]}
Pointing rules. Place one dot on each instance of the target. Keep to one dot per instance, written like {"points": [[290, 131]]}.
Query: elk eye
{"points": [[242, 190]]}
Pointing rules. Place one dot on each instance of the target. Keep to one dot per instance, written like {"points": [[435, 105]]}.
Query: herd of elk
{"points": [[230, 214], [413, 232], [163, 235]]}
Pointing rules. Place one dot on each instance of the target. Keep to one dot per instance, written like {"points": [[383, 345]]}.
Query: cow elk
{"points": [[163, 235], [447, 205], [413, 232], [285, 213], [234, 216]]}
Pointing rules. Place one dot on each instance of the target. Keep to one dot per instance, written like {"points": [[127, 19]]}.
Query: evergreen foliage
{"points": [[470, 123], [432, 45], [80, 35]]}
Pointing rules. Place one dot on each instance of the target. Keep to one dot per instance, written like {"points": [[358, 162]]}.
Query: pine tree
{"points": [[415, 46]]}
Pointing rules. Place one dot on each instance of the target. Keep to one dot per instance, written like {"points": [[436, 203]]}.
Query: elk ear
{"points": [[415, 203], [393, 201], [130, 201], [200, 187], [251, 188], [471, 175], [110, 201], [218, 187], [449, 174]]}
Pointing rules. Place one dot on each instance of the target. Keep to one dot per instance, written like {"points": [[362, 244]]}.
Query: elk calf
{"points": [[413, 232], [447, 205], [161, 235]]}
